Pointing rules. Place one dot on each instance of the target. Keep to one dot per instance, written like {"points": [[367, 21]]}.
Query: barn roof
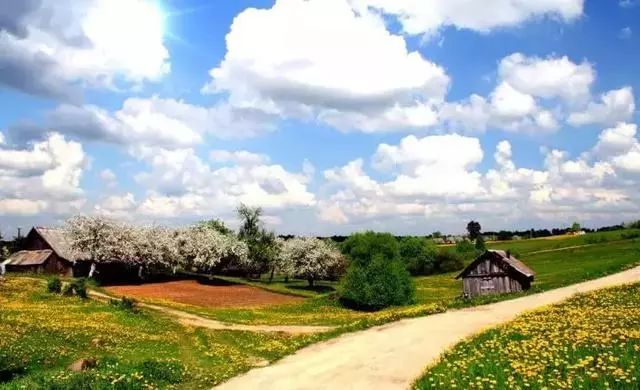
{"points": [[513, 263], [58, 241], [28, 258]]}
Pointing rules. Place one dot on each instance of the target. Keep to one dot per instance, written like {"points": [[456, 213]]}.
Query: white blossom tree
{"points": [[99, 239], [205, 248], [308, 258]]}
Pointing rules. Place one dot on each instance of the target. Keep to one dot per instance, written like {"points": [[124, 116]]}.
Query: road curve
{"points": [[392, 356]]}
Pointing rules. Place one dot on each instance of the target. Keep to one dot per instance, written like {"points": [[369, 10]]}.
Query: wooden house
{"points": [[44, 250], [495, 272]]}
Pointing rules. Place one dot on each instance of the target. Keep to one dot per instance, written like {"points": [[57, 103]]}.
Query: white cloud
{"points": [[44, 177], [117, 206], [167, 123], [427, 17], [179, 182], [240, 157], [48, 46], [625, 33], [548, 77], [614, 106], [108, 178], [435, 182], [317, 59]]}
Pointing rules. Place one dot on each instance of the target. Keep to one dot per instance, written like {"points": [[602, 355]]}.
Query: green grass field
{"points": [[437, 292], [554, 348], [41, 334]]}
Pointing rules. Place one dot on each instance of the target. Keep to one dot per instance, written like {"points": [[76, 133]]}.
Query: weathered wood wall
{"points": [[488, 277]]}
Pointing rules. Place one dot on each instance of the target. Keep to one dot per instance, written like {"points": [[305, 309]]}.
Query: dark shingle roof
{"points": [[59, 241], [27, 258], [507, 259]]}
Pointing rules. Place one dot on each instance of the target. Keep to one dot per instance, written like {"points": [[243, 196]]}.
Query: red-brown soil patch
{"points": [[192, 292]]}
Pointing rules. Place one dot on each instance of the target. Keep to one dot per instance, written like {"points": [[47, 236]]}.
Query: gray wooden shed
{"points": [[495, 272]]}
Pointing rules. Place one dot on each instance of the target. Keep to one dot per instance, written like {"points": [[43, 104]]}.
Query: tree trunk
{"points": [[92, 269], [286, 278], [310, 282], [271, 276]]}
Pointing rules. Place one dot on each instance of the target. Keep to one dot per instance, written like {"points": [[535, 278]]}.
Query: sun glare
{"points": [[132, 29]]}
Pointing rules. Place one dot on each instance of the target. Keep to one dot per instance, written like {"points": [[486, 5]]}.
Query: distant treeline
{"points": [[502, 235]]}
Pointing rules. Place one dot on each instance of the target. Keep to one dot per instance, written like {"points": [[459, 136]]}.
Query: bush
{"points": [[76, 287], [54, 285], [448, 261], [377, 285], [362, 247], [376, 277], [480, 244], [127, 304], [418, 255]]}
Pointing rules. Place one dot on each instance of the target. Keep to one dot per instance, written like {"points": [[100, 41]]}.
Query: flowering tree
{"points": [[308, 258], [205, 248], [100, 239]]}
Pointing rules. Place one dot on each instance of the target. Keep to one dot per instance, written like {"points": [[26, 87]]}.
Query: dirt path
{"points": [[189, 319], [559, 249], [392, 356]]}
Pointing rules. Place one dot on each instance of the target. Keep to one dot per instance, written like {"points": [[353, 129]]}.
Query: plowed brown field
{"points": [[192, 292]]}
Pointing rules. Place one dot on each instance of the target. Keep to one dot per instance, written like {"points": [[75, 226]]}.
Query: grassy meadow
{"points": [[557, 263], [42, 333], [552, 348]]}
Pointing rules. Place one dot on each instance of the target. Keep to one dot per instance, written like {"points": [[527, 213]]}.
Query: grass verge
{"points": [[555, 348]]}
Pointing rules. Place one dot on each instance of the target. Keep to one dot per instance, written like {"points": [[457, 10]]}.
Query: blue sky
{"points": [[334, 116]]}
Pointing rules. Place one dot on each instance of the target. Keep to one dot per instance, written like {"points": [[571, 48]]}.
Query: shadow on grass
{"points": [[318, 289]]}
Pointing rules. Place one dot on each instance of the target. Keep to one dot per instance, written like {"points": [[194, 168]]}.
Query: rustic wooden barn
{"points": [[44, 250], [495, 272]]}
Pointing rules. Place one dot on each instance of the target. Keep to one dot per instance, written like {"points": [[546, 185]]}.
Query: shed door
{"points": [[487, 285]]}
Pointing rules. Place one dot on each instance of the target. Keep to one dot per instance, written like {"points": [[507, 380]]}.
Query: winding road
{"points": [[392, 356]]}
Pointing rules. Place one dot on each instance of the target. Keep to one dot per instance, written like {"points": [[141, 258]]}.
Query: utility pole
{"points": [[19, 233]]}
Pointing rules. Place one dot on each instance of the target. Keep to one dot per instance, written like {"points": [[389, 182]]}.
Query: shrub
{"points": [[362, 247], [630, 235], [127, 304], [76, 287], [448, 261], [376, 285], [54, 285], [480, 245], [376, 277], [418, 255], [467, 250]]}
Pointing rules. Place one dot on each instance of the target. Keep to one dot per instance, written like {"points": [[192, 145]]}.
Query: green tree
{"points": [[480, 244], [575, 227], [474, 229], [263, 246], [376, 277], [418, 255], [217, 225]]}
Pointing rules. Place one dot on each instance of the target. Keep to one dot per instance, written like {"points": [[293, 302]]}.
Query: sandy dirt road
{"points": [[392, 356]]}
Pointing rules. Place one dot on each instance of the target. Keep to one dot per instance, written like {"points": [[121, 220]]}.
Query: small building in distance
{"points": [[44, 250], [495, 272]]}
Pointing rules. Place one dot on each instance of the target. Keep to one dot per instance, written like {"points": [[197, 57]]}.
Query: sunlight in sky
{"points": [[126, 27]]}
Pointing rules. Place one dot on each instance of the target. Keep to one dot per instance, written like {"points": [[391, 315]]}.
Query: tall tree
{"points": [[263, 246], [474, 229]]}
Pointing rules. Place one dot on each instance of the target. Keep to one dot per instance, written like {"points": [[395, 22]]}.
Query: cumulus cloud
{"points": [[427, 17], [437, 179], [536, 94], [180, 182], [44, 176], [155, 121], [319, 60], [241, 157], [48, 47], [614, 106]]}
